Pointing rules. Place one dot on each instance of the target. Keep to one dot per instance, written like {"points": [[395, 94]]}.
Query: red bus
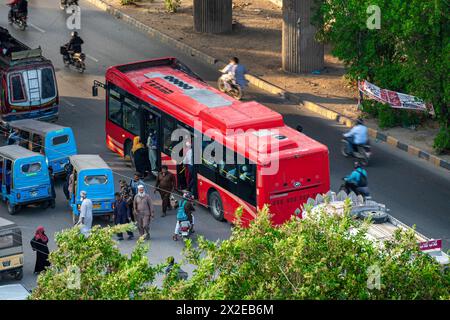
{"points": [[283, 170], [28, 80]]}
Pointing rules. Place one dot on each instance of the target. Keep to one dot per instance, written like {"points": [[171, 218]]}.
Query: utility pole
{"points": [[300, 52], [213, 16]]}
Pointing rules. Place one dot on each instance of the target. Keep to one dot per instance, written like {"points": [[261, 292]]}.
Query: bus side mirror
{"points": [[94, 90], [299, 128]]}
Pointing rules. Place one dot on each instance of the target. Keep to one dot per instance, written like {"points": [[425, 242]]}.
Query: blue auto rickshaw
{"points": [[56, 142], [93, 175], [24, 178]]}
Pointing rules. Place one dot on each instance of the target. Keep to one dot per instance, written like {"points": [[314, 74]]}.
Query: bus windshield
{"points": [[32, 87]]}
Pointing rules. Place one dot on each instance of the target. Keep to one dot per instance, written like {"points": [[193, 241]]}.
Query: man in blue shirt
{"points": [[235, 71], [356, 179], [358, 135]]}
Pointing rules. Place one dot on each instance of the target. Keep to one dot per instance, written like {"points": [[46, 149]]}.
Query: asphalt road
{"points": [[416, 192]]}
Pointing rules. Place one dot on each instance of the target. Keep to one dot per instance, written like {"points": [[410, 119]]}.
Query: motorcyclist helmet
{"points": [[188, 196], [74, 34]]}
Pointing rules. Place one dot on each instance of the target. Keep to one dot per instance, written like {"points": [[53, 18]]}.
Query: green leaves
{"points": [[94, 268], [320, 257], [323, 256], [409, 53]]}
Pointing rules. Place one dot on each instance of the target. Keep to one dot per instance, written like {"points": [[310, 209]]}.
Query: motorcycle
{"points": [[19, 19], [362, 153], [363, 191], [233, 89], [185, 229], [64, 4], [73, 59]]}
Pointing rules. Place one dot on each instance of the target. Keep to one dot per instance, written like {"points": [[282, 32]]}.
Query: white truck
{"points": [[384, 224]]}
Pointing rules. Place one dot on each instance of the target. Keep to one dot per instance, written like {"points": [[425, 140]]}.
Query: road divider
{"points": [[269, 87]]}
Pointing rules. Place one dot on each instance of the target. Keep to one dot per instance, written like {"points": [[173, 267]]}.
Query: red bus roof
{"points": [[181, 94]]}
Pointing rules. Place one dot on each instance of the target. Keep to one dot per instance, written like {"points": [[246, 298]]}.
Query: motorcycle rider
{"points": [[357, 180], [358, 135], [234, 71], [185, 210], [18, 6], [74, 44]]}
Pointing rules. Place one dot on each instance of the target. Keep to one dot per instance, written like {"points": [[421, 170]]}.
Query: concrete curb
{"points": [[268, 87]]}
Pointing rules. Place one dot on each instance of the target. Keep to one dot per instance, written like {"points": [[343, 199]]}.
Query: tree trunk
{"points": [[213, 16], [300, 52]]}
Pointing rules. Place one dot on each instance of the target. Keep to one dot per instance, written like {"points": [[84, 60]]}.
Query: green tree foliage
{"points": [[320, 257], [104, 272], [409, 53], [315, 258]]}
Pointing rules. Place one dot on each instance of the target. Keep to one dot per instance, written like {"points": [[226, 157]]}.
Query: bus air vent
{"points": [[158, 86]]}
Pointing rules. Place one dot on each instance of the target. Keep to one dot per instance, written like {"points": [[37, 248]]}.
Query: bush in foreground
{"points": [[319, 257]]}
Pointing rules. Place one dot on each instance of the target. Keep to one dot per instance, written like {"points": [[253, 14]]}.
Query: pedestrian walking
{"points": [[39, 244], [121, 214], [165, 185], [52, 187], [152, 145], [141, 161], [70, 184], [68, 170], [85, 214], [143, 210], [189, 167], [127, 195], [135, 182]]}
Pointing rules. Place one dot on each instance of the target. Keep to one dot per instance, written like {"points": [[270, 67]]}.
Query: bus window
{"points": [[131, 119], [229, 171], [169, 127], [114, 107], [246, 188], [17, 89], [246, 173], [48, 83]]}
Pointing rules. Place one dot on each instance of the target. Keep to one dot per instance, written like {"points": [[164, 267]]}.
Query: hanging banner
{"points": [[394, 99]]}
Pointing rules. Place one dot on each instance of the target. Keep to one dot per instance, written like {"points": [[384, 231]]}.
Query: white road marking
{"points": [[92, 58], [37, 28], [70, 104]]}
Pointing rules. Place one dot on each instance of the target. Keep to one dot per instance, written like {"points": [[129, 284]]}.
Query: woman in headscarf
{"points": [[39, 244], [141, 160]]}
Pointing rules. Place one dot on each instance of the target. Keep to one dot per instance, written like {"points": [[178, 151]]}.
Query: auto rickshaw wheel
{"points": [[12, 209], [44, 205], [18, 275], [74, 218]]}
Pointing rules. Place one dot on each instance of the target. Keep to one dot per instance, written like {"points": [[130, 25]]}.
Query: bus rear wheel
{"points": [[216, 206]]}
